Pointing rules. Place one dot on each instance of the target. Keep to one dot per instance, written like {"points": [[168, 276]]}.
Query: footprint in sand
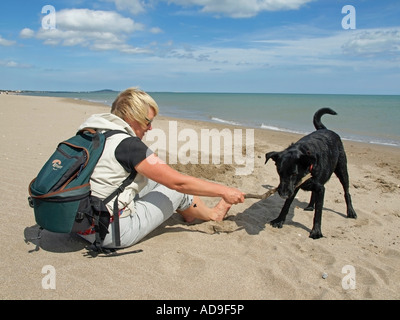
{"points": [[212, 227]]}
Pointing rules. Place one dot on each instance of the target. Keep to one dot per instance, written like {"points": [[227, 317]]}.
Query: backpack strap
{"points": [[116, 193], [109, 133]]}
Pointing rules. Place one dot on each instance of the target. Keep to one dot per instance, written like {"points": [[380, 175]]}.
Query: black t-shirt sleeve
{"points": [[130, 152]]}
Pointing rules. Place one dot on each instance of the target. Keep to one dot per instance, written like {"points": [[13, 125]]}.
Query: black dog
{"points": [[321, 153]]}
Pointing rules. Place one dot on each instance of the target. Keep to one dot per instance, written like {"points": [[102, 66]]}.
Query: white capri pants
{"points": [[154, 205]]}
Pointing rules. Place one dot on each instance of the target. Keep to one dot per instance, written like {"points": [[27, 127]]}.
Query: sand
{"points": [[242, 257]]}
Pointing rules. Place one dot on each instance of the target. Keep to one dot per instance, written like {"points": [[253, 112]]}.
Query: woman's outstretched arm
{"points": [[156, 169]]}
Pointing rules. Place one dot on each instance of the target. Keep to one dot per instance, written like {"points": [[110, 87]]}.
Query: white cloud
{"points": [[156, 30], [133, 6], [242, 8], [13, 64], [374, 43], [231, 8], [97, 30], [320, 52], [5, 42], [85, 20], [27, 33]]}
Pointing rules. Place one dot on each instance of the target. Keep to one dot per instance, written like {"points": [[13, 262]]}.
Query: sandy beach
{"points": [[242, 257]]}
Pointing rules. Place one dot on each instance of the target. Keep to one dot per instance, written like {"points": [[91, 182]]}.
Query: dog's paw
{"points": [[309, 208], [351, 214], [316, 234], [277, 223]]}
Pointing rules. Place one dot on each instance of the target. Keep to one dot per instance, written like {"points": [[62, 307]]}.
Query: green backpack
{"points": [[60, 195]]}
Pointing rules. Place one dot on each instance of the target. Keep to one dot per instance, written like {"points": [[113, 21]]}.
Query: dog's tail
{"points": [[317, 117]]}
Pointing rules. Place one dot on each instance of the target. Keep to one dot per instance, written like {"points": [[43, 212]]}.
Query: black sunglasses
{"points": [[148, 121]]}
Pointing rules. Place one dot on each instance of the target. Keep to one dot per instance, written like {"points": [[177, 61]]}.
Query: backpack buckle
{"points": [[30, 201]]}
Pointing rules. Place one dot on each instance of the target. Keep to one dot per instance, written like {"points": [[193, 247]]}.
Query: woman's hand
{"points": [[233, 196]]}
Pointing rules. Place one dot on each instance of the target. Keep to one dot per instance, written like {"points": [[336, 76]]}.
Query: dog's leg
{"points": [[278, 222], [342, 173], [310, 206], [316, 232]]}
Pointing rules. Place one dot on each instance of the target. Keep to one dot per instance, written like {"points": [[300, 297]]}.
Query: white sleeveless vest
{"points": [[108, 173]]}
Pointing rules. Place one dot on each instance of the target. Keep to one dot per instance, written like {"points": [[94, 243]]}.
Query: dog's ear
{"points": [[271, 155]]}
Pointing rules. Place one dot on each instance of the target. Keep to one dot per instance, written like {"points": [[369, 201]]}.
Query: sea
{"points": [[364, 118]]}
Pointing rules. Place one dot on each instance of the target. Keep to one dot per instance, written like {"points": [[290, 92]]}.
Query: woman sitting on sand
{"points": [[158, 190]]}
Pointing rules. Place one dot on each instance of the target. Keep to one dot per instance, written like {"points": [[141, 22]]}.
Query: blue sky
{"points": [[268, 46]]}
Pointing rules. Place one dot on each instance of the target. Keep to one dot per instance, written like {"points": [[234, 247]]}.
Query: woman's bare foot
{"points": [[198, 210], [220, 210]]}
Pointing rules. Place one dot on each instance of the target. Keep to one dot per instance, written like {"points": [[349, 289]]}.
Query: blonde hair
{"points": [[133, 104]]}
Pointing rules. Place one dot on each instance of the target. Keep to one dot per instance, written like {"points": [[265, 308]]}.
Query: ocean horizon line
{"points": [[198, 92]]}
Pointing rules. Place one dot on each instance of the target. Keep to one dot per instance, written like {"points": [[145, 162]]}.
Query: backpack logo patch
{"points": [[57, 164]]}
